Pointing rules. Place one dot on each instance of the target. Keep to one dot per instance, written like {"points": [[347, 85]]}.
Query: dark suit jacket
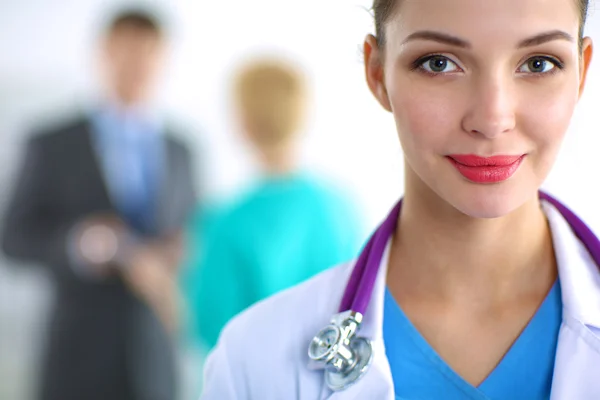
{"points": [[103, 342]]}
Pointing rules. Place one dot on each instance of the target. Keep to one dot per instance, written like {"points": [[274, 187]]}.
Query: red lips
{"points": [[479, 169]]}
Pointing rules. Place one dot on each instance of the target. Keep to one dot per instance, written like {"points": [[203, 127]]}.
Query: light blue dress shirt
{"points": [[130, 148]]}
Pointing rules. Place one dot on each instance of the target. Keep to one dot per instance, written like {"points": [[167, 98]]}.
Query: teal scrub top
{"points": [[282, 232]]}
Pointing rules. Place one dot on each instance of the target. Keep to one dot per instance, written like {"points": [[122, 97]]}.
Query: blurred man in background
{"points": [[290, 226], [100, 201]]}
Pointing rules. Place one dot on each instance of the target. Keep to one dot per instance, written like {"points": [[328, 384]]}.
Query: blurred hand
{"points": [[98, 241], [170, 249], [149, 276]]}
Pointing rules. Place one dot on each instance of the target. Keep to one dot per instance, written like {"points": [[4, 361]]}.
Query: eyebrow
{"points": [[444, 38], [546, 37], [437, 37]]}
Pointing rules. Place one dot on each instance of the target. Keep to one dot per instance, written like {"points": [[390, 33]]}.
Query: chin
{"points": [[488, 201], [475, 200], [132, 94]]}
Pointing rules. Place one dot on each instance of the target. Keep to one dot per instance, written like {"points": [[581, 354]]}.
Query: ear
{"points": [[373, 58], [585, 61]]}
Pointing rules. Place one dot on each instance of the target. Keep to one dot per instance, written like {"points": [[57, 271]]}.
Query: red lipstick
{"points": [[486, 169]]}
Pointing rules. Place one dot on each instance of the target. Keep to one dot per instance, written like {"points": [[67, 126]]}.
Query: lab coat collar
{"points": [[579, 274], [578, 347], [578, 351]]}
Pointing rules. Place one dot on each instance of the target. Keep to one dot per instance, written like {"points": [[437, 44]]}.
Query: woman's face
{"points": [[467, 80]]}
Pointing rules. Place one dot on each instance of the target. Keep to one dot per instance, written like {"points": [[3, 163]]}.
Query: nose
{"points": [[492, 107]]}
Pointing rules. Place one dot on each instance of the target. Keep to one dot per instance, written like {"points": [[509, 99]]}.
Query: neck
{"points": [[278, 161], [444, 255], [124, 101]]}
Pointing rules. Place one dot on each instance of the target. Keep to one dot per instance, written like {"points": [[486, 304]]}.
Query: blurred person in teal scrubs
{"points": [[288, 227]]}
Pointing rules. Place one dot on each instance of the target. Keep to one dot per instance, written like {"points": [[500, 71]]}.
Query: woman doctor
{"points": [[484, 288]]}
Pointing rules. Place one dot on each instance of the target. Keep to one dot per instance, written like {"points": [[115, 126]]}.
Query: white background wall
{"points": [[46, 67]]}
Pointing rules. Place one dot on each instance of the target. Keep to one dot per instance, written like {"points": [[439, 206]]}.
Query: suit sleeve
{"points": [[33, 229], [185, 200], [190, 193]]}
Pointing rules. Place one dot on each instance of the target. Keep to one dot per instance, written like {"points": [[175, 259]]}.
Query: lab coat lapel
{"points": [[577, 366], [577, 362], [377, 382]]}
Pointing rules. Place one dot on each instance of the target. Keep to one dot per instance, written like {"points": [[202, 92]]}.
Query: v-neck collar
{"points": [[535, 327]]}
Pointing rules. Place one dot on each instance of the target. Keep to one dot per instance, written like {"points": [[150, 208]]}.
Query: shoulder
{"points": [[59, 131], [334, 206], [209, 221], [328, 192], [53, 138], [177, 144], [180, 133], [271, 338], [244, 207]]}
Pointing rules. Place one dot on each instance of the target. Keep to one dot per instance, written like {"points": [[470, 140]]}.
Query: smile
{"points": [[486, 169]]}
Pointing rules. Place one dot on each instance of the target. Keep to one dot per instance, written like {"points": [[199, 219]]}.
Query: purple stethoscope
{"points": [[345, 356]]}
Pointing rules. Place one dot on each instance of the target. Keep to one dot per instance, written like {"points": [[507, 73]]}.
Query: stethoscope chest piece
{"points": [[344, 357], [363, 352]]}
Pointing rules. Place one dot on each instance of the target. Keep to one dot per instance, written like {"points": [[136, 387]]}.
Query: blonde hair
{"points": [[270, 94]]}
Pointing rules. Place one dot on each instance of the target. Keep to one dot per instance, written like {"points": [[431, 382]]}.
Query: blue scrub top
{"points": [[525, 372]]}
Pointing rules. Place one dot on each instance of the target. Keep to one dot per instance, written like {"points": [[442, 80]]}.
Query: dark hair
{"points": [[135, 18], [383, 9]]}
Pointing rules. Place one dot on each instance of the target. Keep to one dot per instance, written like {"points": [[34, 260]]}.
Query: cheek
{"points": [[544, 117], [424, 117]]}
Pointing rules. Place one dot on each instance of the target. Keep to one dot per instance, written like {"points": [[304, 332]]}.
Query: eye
{"points": [[437, 64], [539, 65]]}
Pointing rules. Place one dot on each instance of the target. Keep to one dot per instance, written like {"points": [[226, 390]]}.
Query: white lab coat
{"points": [[262, 353]]}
